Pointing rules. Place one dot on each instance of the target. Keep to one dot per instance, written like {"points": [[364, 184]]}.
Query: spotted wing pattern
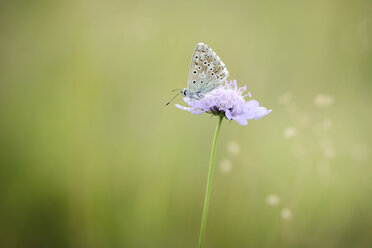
{"points": [[207, 71]]}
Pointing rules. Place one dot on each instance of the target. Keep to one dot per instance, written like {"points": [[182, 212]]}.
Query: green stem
{"points": [[209, 182]]}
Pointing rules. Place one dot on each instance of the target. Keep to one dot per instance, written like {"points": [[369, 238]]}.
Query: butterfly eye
{"points": [[199, 67], [217, 77], [211, 68], [196, 57], [194, 81], [194, 72], [205, 62], [201, 81], [212, 74]]}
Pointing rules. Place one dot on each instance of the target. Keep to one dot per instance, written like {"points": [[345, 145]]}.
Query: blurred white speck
{"points": [[286, 214], [285, 98], [322, 100], [233, 148], [329, 153], [360, 152], [272, 200], [250, 94], [290, 132], [225, 165]]}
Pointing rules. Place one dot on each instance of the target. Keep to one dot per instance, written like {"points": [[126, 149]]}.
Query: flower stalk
{"points": [[225, 101], [209, 181]]}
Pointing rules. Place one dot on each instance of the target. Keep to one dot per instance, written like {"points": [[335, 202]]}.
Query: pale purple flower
{"points": [[227, 99]]}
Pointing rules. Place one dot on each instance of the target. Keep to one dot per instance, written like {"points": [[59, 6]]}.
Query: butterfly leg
{"points": [[199, 95]]}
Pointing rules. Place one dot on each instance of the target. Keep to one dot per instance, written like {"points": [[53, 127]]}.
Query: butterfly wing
{"points": [[207, 71]]}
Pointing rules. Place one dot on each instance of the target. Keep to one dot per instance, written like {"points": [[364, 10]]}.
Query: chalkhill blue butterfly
{"points": [[207, 71]]}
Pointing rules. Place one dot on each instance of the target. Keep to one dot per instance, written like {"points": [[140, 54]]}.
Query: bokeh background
{"points": [[90, 157]]}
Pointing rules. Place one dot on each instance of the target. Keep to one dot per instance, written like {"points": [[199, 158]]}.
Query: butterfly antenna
{"points": [[172, 99], [175, 90]]}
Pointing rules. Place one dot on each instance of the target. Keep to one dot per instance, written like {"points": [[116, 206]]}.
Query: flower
{"points": [[227, 99]]}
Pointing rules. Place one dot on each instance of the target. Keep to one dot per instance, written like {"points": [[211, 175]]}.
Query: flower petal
{"points": [[241, 121], [182, 107], [197, 112], [252, 103], [261, 112], [228, 115]]}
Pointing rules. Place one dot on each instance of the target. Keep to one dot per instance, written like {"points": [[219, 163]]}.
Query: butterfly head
{"points": [[190, 94], [185, 92]]}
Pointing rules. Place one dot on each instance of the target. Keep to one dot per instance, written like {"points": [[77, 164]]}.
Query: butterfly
{"points": [[207, 71]]}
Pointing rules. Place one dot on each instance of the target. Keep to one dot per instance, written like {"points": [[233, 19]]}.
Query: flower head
{"points": [[227, 99]]}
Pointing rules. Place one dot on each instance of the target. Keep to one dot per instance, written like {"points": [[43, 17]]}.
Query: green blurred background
{"points": [[90, 157]]}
